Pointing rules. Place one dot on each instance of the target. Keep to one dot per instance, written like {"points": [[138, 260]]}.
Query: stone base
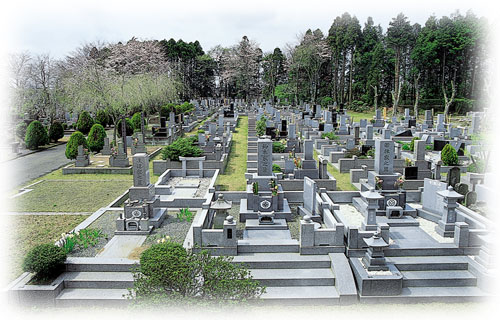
{"points": [[141, 193], [138, 149], [446, 230], [119, 162], [314, 217], [246, 213], [376, 285]]}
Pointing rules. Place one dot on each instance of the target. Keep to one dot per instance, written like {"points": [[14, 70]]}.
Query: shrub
{"points": [[260, 126], [406, 146], [165, 110], [329, 135], [45, 260], [325, 101], [77, 138], [276, 168], [278, 147], [353, 152], [183, 108], [95, 139], [428, 148], [56, 131], [102, 118], [169, 274], [182, 147], [449, 156], [36, 135], [136, 121], [129, 128], [201, 131], [412, 143], [84, 123], [370, 153], [21, 129]]}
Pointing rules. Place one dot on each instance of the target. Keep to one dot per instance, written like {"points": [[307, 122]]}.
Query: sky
{"points": [[58, 27]]}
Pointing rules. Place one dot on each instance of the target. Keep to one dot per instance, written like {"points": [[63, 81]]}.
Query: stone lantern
{"points": [[221, 207], [374, 259], [372, 197], [446, 226]]}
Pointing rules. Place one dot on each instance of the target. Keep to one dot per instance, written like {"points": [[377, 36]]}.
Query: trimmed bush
{"points": [[278, 147], [168, 274], [56, 131], [45, 260], [95, 139], [128, 127], [165, 110], [329, 135], [21, 129], [84, 123], [449, 156], [260, 126], [412, 143], [276, 168], [136, 121], [36, 135], [76, 139], [102, 118], [182, 147]]}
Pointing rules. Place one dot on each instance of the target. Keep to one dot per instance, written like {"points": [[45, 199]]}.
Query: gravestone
{"points": [[405, 133], [431, 200], [462, 188], [369, 132], [384, 156], [386, 134], [470, 198], [411, 173], [428, 118], [439, 144], [264, 157], [412, 123], [82, 159], [308, 150], [291, 131], [363, 123], [141, 170], [106, 150], [453, 176], [309, 195], [440, 125]]}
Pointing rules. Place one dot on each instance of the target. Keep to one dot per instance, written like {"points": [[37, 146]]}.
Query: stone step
{"points": [[92, 297], [293, 277], [282, 261], [310, 295], [430, 294], [100, 264], [267, 245], [424, 263], [440, 278], [450, 250], [99, 280]]}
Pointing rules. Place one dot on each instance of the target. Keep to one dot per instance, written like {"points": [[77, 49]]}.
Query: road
{"points": [[24, 169]]}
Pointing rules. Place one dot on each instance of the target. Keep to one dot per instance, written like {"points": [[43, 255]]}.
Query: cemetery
{"points": [[291, 197]]}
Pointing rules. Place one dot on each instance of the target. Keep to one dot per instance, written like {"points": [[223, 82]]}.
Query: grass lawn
{"points": [[234, 177], [69, 195], [26, 232], [343, 179], [361, 115], [195, 129]]}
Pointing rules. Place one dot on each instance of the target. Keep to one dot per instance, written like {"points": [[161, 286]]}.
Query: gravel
{"points": [[200, 192], [171, 227], [106, 223]]}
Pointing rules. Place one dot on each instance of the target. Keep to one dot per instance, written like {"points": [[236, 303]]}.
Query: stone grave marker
{"points": [[431, 200], [453, 176], [141, 170], [309, 195], [384, 156], [264, 158]]}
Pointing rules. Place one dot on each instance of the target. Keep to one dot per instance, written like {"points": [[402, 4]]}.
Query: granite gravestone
{"points": [[431, 201], [264, 157], [453, 176], [384, 156], [309, 195]]}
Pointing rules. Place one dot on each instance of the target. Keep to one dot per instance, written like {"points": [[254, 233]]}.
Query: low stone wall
{"points": [[298, 184], [71, 169], [160, 166]]}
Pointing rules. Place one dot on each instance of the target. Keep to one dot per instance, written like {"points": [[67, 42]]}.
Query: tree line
{"points": [[442, 63]]}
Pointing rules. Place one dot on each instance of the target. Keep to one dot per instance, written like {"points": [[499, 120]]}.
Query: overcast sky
{"points": [[58, 27]]}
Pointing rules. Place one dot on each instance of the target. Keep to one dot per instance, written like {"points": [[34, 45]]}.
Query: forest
{"points": [[442, 64]]}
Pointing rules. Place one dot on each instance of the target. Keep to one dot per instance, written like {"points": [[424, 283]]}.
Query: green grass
{"points": [[195, 129], [343, 179], [69, 196], [234, 177], [361, 115], [27, 232]]}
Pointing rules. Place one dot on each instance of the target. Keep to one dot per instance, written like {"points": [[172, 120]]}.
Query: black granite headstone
{"points": [[439, 144], [411, 173]]}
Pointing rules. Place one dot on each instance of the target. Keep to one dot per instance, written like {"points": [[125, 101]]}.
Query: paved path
{"points": [[24, 169]]}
